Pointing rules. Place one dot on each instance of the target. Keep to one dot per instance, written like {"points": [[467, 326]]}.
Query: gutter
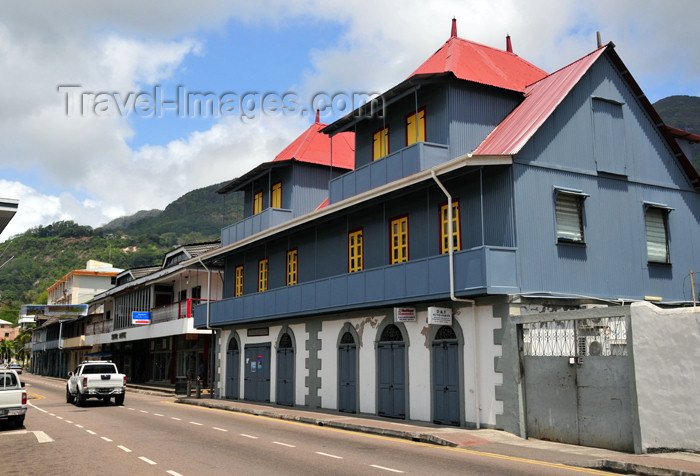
{"points": [[454, 298]]}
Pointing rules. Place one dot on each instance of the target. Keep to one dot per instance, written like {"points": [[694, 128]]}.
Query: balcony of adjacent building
{"points": [[254, 224], [166, 320], [477, 271], [402, 163]]}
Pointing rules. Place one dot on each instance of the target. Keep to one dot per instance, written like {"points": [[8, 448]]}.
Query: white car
{"points": [[96, 379], [13, 398]]}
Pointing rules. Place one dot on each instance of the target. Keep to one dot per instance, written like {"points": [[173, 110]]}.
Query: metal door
{"points": [[257, 373], [391, 355], [347, 374], [233, 366], [446, 377], [285, 371]]}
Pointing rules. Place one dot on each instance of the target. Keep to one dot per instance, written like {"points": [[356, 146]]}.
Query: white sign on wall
{"points": [[404, 314], [440, 316]]}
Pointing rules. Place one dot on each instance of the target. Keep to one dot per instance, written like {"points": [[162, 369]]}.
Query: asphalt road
{"points": [[153, 435]]}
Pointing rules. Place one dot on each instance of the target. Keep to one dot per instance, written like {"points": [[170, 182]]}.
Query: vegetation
{"points": [[682, 112]]}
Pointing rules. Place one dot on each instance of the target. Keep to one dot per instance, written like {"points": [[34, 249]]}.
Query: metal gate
{"points": [[257, 372], [576, 382], [347, 374], [233, 366], [391, 355], [285, 371], [445, 351]]}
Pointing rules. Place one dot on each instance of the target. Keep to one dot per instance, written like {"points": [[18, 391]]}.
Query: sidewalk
{"points": [[485, 441]]}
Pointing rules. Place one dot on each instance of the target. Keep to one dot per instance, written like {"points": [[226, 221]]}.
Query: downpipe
{"points": [[456, 299]]}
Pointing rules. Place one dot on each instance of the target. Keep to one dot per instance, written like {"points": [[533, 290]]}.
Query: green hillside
{"points": [[682, 112]]}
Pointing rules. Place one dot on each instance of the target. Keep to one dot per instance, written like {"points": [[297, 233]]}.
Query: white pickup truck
{"points": [[95, 379], [13, 398]]}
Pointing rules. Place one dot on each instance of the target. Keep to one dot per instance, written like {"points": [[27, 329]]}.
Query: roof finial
{"points": [[509, 46], [453, 34], [317, 115]]}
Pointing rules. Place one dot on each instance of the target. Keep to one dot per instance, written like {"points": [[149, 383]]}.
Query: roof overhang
{"points": [[8, 208], [259, 171]]}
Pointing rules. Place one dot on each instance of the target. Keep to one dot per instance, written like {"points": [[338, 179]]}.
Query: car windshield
{"points": [[100, 369]]}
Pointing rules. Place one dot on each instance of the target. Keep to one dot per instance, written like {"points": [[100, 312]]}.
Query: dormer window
{"points": [[276, 195], [380, 143], [413, 135], [257, 202]]}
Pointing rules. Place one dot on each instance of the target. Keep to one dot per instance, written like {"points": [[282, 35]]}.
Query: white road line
{"points": [[132, 409], [386, 469], [143, 458], [284, 444], [52, 414], [143, 411], [59, 417], [40, 409], [157, 414], [124, 448], [173, 473], [68, 421], [42, 437], [330, 456], [174, 418], [106, 439], [249, 436], [91, 432], [218, 429], [79, 426], [195, 423]]}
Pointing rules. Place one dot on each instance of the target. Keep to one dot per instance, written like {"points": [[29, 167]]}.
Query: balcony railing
{"points": [[176, 310], [478, 271], [98, 328], [254, 224], [402, 163]]}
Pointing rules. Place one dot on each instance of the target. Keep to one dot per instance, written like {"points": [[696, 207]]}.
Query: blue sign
{"points": [[140, 317]]}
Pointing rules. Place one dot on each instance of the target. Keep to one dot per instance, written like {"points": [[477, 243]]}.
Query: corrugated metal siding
{"points": [[310, 187], [474, 111], [498, 206]]}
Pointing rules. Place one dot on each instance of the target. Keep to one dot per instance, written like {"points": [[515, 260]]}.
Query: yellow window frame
{"points": [[263, 268], [292, 267], [399, 239], [380, 143], [411, 137], [257, 203], [238, 285], [444, 228], [276, 195], [355, 251]]}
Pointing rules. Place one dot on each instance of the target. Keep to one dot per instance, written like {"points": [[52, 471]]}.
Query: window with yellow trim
{"points": [[292, 267], [380, 143], [444, 228], [399, 240], [263, 266], [257, 203], [276, 196], [413, 136], [238, 288], [355, 257]]}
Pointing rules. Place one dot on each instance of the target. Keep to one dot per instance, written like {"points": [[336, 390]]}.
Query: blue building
{"points": [[483, 188]]}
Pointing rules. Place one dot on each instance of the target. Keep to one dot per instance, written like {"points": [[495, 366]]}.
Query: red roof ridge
{"points": [[609, 44]]}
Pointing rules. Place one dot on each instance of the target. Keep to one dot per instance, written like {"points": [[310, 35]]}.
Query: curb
{"points": [[406, 435], [632, 468]]}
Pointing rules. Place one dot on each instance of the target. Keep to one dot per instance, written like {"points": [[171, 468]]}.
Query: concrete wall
{"points": [[666, 363]]}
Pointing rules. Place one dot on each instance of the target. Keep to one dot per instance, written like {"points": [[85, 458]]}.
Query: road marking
{"points": [[34, 396], [219, 429], [143, 458], [132, 409], [51, 414], [59, 417], [195, 423], [174, 418], [173, 473], [124, 448], [40, 409], [68, 421], [106, 439], [42, 437], [330, 456], [79, 426], [249, 436], [157, 414], [385, 468], [91, 432], [284, 444], [143, 411]]}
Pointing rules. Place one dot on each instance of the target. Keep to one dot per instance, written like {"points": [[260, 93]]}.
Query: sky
{"points": [[101, 102]]}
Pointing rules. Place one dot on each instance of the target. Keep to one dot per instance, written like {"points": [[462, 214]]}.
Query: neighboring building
{"points": [[487, 195], [7, 332], [165, 348], [81, 285], [8, 208]]}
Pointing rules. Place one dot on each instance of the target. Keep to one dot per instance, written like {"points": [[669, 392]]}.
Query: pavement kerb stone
{"points": [[631, 468]]}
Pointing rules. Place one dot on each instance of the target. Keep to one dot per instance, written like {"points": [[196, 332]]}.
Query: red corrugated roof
{"points": [[314, 147], [481, 64], [541, 98]]}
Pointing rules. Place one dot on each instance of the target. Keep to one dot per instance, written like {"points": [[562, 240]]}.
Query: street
{"points": [[151, 435]]}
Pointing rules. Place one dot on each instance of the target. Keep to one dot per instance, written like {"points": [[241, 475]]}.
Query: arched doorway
{"points": [[445, 350], [347, 373], [233, 369], [285, 370], [391, 352]]}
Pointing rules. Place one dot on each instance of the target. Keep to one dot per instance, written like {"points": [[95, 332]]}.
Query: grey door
{"points": [[233, 366], [347, 374], [446, 377], [285, 371], [257, 373], [391, 355]]}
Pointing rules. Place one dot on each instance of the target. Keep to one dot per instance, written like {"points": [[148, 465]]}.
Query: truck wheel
{"points": [[69, 396], [19, 421], [79, 399], [119, 399]]}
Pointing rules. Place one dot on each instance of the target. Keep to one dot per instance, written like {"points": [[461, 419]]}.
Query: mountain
{"points": [[42, 255], [682, 112]]}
